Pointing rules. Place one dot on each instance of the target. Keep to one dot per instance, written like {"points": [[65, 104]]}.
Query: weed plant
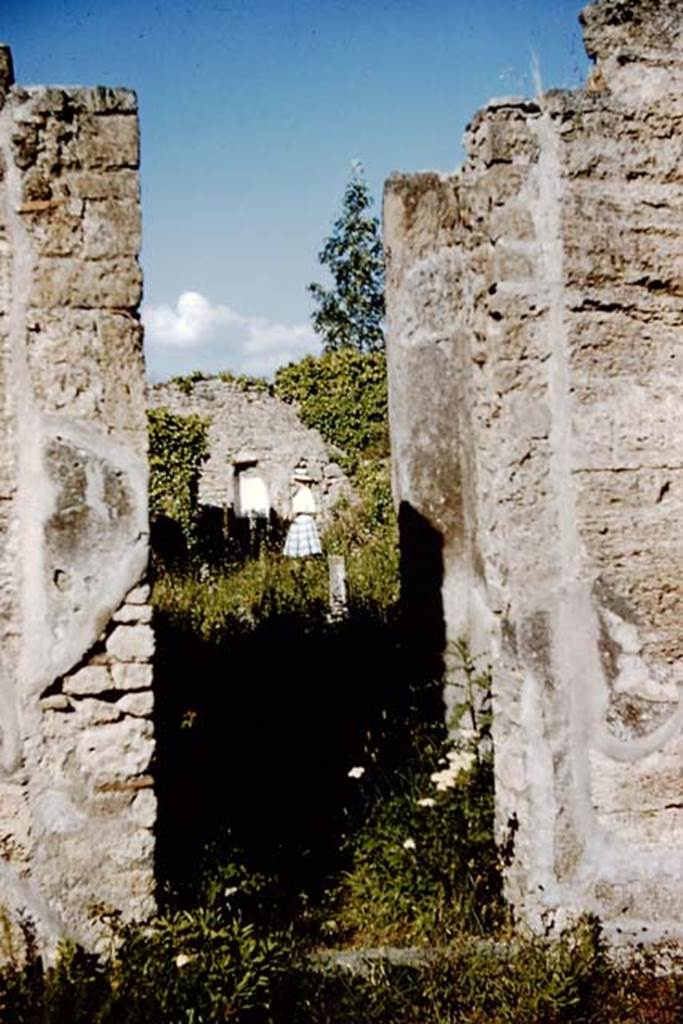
{"points": [[215, 604], [424, 863], [209, 966], [196, 967]]}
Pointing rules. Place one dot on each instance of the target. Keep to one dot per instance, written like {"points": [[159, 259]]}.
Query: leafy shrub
{"points": [[365, 532], [425, 866], [186, 382], [343, 395], [178, 445], [198, 966]]}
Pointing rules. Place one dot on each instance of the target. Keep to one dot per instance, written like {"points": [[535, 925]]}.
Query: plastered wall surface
{"points": [[250, 424], [535, 307], [77, 807]]}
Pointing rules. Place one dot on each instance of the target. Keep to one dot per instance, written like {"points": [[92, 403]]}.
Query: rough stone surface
{"points": [[75, 844], [135, 676], [131, 643], [140, 705], [133, 613], [87, 680], [535, 303], [139, 595], [250, 424]]}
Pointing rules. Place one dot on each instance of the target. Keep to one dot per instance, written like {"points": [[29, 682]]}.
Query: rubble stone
{"points": [[131, 643]]}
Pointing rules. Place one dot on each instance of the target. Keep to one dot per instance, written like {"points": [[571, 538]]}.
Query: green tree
{"points": [[350, 314]]}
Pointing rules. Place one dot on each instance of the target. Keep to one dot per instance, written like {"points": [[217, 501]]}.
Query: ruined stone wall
{"points": [[535, 305], [246, 423], [76, 800]]}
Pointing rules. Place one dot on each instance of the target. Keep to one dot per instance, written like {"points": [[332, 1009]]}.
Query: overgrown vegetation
{"points": [[198, 966], [424, 865], [178, 445], [343, 395], [242, 381], [212, 964]]}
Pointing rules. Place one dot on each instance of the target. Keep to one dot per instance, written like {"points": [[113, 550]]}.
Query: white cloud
{"points": [[193, 321], [198, 335]]}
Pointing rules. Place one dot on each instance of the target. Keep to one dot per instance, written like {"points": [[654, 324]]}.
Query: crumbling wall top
{"points": [[632, 28], [6, 71]]}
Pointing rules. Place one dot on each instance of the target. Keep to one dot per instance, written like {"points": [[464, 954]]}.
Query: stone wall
{"points": [[535, 306], [249, 426], [76, 800]]}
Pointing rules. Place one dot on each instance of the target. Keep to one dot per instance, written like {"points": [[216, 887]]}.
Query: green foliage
{"points": [[195, 966], [343, 395], [208, 966], [365, 532], [350, 314], [570, 980], [178, 445], [229, 601], [198, 966], [244, 382], [425, 866], [469, 982], [186, 382]]}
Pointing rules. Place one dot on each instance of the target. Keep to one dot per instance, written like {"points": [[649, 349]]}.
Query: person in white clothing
{"points": [[302, 537]]}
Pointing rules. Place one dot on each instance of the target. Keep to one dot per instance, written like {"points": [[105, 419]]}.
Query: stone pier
{"points": [[77, 806], [535, 307]]}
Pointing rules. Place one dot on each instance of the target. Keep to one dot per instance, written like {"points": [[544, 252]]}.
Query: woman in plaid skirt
{"points": [[302, 536]]}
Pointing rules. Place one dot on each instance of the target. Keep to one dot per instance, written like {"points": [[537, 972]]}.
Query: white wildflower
{"points": [[231, 890], [444, 779], [182, 959], [357, 772], [409, 844], [426, 801], [460, 760]]}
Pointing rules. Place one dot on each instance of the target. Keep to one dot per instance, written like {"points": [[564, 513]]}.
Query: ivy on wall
{"points": [[178, 446]]}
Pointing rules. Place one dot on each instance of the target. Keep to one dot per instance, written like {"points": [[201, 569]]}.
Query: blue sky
{"points": [[251, 114]]}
